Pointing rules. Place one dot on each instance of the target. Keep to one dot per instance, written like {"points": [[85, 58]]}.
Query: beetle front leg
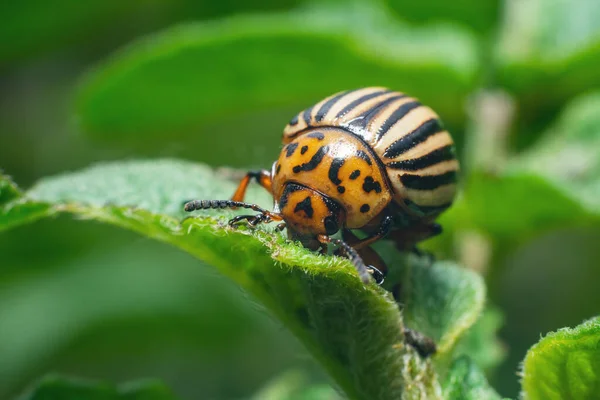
{"points": [[264, 216], [263, 177]]}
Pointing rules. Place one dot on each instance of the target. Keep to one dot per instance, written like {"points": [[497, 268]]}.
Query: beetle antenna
{"points": [[253, 220], [220, 204]]}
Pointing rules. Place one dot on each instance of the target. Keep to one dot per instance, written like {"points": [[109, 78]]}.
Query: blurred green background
{"points": [[516, 82]]}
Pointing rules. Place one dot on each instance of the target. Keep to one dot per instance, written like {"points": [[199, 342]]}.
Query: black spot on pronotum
{"points": [[370, 184], [290, 149], [278, 169], [294, 121], [316, 135], [306, 206], [355, 174], [334, 169], [365, 208], [313, 162], [341, 189], [364, 156], [304, 149], [331, 226]]}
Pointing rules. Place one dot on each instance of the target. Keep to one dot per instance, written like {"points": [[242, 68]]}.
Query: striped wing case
{"points": [[408, 137]]}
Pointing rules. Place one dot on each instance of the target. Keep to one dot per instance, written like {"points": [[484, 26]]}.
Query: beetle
{"points": [[370, 159]]}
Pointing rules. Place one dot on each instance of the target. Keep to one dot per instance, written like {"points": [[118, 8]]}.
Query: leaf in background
{"points": [[442, 301], [480, 16], [555, 184], [352, 329], [55, 388], [549, 52], [173, 82], [564, 364], [33, 26], [465, 381], [295, 385], [481, 343]]}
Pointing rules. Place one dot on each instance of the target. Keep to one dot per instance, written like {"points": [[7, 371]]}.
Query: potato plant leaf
{"points": [[549, 44], [564, 364], [466, 381], [174, 81], [554, 184], [354, 330], [55, 387]]}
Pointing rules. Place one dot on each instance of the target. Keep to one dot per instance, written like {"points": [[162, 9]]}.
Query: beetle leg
{"points": [[351, 254], [253, 220], [263, 177], [374, 262], [424, 345], [384, 229]]}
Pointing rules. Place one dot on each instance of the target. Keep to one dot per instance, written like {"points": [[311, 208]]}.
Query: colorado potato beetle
{"points": [[369, 159]]}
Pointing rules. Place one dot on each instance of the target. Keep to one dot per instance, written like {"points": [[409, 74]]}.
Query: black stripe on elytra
{"points": [[324, 109], [306, 115], [364, 156], [316, 135], [306, 206], [294, 121], [427, 209], [349, 107], [289, 188], [396, 116], [304, 149], [370, 184], [334, 169], [427, 182], [290, 149], [436, 156], [365, 119], [419, 135], [355, 174], [313, 162]]}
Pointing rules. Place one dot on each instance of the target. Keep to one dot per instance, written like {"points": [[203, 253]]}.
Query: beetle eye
{"points": [[331, 225]]}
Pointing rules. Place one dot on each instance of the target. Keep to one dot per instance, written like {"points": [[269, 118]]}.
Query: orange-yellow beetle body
{"points": [[369, 159]]}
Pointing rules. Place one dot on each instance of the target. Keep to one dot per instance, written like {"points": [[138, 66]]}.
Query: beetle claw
{"points": [[252, 220], [377, 275]]}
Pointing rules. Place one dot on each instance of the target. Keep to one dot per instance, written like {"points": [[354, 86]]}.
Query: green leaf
{"points": [[33, 26], [295, 385], [481, 344], [466, 381], [549, 44], [480, 16], [55, 388], [564, 364], [354, 330], [442, 301], [555, 184], [175, 81]]}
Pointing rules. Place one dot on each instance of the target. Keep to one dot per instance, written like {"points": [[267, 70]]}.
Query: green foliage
{"points": [[354, 330], [549, 52], [480, 16], [466, 381], [58, 388], [209, 71], [233, 82], [564, 364], [555, 184]]}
